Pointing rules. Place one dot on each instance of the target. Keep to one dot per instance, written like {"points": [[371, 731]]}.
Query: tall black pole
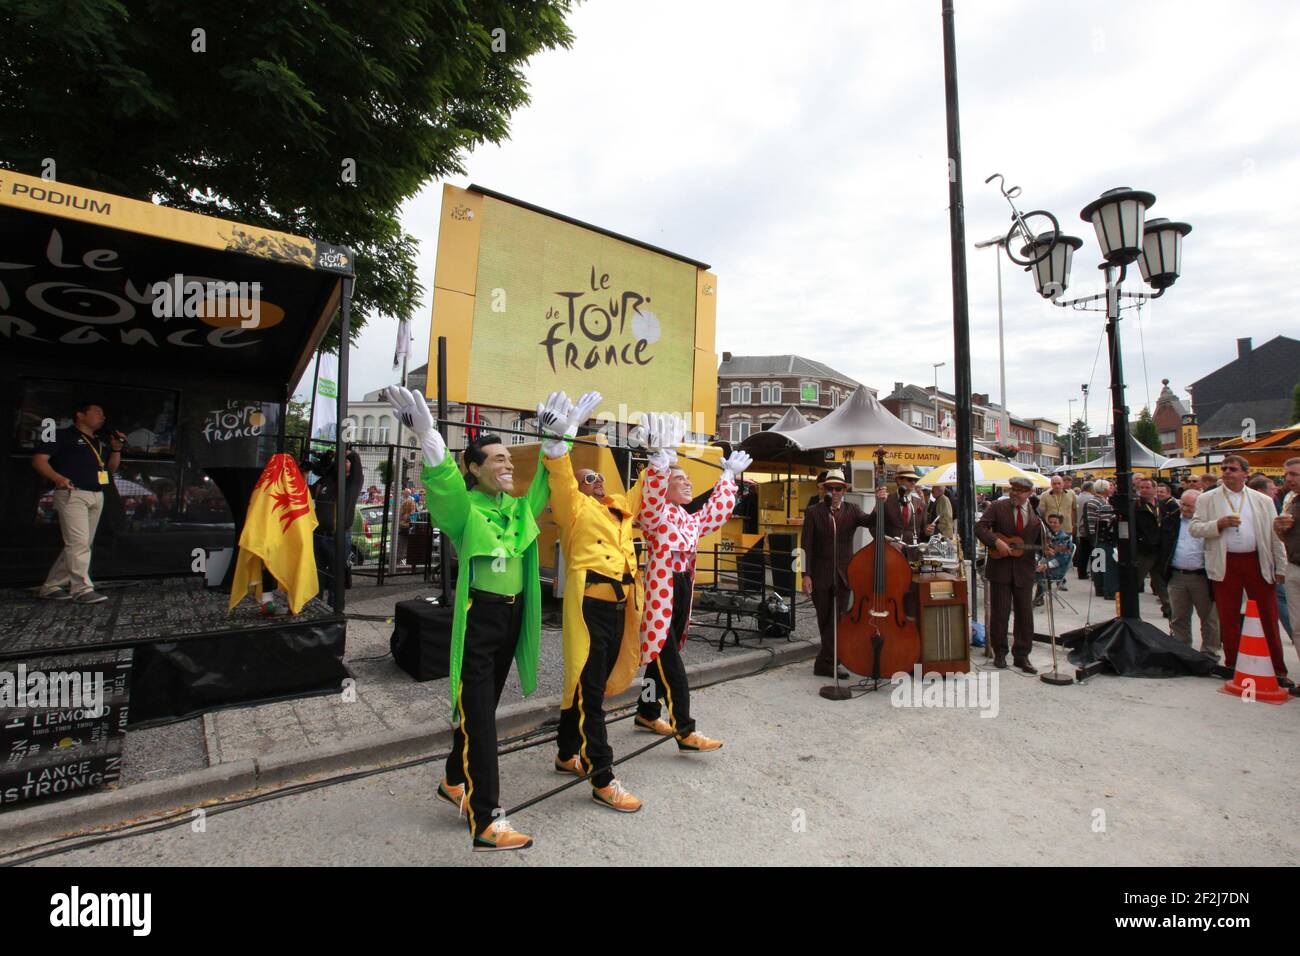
{"points": [[1123, 502], [444, 557], [960, 306], [311, 409], [338, 578]]}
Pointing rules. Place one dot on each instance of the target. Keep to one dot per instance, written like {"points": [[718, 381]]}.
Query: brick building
{"points": [[755, 390], [1168, 417], [1034, 439]]}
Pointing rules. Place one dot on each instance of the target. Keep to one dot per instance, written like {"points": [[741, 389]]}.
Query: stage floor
{"points": [[136, 612]]}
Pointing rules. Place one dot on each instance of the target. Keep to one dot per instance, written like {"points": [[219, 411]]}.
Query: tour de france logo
{"points": [[236, 420], [600, 327]]}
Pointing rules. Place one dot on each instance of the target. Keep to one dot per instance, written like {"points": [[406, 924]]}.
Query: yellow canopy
{"points": [[986, 473]]}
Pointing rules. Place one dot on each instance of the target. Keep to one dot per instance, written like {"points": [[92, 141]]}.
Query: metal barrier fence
{"points": [[391, 535]]}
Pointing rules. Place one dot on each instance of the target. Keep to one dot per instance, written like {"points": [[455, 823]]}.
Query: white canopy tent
{"points": [[860, 420], [1142, 456]]}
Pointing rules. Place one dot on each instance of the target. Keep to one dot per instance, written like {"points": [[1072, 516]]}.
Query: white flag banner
{"points": [[324, 414], [403, 349]]}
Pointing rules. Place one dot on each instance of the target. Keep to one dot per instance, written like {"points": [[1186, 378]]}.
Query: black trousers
{"points": [[1003, 597], [324, 546], [1082, 556], [582, 724], [667, 674], [491, 633], [824, 602]]}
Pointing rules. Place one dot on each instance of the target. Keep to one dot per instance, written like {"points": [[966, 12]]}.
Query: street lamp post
{"points": [[937, 366], [1087, 428], [1125, 236], [1004, 416], [1069, 425]]}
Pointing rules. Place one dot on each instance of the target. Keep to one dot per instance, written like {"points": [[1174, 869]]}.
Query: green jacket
{"points": [[465, 517]]}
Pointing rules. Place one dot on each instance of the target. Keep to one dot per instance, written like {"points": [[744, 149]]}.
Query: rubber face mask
{"points": [[680, 491], [497, 473]]}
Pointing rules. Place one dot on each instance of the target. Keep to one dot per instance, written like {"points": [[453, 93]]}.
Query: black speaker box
{"points": [[421, 641], [781, 547]]}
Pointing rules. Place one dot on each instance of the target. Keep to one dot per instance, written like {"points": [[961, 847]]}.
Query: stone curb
{"points": [[47, 821], [62, 818]]}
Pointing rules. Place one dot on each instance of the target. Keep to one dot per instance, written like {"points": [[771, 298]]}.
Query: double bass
{"points": [[877, 637]]}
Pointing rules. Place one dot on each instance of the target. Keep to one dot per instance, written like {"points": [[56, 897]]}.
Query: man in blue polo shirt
{"points": [[80, 465]]}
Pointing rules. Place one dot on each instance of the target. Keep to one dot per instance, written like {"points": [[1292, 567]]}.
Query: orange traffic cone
{"points": [[1254, 676]]}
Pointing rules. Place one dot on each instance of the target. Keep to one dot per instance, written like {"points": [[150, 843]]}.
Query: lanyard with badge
{"points": [[92, 444], [1235, 509]]}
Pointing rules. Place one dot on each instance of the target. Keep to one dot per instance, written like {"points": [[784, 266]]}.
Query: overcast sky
{"points": [[800, 149]]}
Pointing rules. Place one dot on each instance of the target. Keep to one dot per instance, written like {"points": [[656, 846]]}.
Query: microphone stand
{"points": [[835, 691], [1054, 676]]}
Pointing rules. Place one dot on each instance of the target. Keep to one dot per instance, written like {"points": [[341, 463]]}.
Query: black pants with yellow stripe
{"points": [[582, 725], [491, 633], [666, 675]]}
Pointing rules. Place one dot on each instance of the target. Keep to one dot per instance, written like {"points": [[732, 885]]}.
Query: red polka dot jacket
{"points": [[672, 535]]}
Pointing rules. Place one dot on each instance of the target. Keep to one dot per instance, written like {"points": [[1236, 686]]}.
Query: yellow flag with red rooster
{"points": [[277, 536]]}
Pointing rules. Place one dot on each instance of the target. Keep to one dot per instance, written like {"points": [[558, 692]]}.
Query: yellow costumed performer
{"points": [[602, 605]]}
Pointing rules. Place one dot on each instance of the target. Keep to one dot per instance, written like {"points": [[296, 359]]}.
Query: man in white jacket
{"points": [[1242, 554]]}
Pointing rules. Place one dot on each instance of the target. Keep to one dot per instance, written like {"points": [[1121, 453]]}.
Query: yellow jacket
{"points": [[594, 539]]}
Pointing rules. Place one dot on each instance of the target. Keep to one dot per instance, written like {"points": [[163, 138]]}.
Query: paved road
{"points": [[1111, 772]]}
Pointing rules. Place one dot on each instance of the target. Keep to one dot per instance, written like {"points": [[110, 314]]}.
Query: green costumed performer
{"points": [[602, 602], [498, 605]]}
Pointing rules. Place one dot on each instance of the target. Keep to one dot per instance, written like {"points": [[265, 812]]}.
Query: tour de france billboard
{"points": [[531, 302]]}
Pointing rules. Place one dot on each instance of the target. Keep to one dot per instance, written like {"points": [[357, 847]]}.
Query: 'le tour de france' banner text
{"points": [[531, 303]]}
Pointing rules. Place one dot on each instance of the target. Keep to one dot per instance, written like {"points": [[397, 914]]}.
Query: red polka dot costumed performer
{"points": [[672, 535]]}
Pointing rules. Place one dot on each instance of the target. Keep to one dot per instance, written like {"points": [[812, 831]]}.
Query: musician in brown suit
{"points": [[1011, 580], [905, 512], [827, 543]]}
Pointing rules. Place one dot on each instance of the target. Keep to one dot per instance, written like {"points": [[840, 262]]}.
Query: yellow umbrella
{"points": [[986, 473]]}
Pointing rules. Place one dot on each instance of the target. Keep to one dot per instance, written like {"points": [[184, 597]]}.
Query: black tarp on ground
{"points": [[1133, 648]]}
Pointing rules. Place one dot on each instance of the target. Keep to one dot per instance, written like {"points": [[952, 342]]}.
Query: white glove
{"points": [[736, 462], [582, 411], [553, 416], [662, 432], [579, 413], [414, 414]]}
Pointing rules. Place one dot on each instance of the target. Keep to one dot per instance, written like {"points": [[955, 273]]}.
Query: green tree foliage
{"points": [[257, 111], [1295, 405], [297, 423], [1145, 430]]}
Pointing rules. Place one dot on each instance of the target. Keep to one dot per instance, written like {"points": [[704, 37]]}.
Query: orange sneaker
{"points": [[697, 743], [657, 726], [500, 835], [452, 793], [573, 765], [616, 798]]}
